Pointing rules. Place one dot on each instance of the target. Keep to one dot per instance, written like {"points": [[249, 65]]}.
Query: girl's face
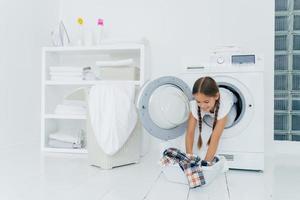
{"points": [[206, 103]]}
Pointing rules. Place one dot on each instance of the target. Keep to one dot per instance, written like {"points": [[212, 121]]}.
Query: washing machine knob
{"points": [[220, 60]]}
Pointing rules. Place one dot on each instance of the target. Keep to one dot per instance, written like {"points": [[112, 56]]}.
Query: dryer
{"points": [[163, 105]]}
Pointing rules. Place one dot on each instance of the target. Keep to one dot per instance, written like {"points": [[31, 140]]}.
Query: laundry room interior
{"points": [[136, 99]]}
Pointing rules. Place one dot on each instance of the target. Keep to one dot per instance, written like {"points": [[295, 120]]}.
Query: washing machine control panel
{"points": [[229, 59], [236, 60], [243, 59], [233, 59]]}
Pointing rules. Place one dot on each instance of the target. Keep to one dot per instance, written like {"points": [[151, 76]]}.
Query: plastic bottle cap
{"points": [[100, 22]]}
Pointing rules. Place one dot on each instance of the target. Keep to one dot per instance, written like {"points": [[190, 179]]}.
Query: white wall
{"points": [[178, 28], [24, 28], [174, 29]]}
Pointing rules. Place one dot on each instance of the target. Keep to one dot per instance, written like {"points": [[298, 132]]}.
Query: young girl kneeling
{"points": [[215, 106]]}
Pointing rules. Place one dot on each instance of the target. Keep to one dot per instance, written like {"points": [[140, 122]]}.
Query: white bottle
{"points": [[99, 31], [80, 36], [88, 37], [80, 40]]}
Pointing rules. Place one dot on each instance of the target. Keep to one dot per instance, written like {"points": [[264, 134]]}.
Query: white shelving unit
{"points": [[54, 91]]}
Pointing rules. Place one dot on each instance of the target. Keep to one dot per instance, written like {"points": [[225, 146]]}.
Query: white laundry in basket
{"points": [[174, 173], [112, 113]]}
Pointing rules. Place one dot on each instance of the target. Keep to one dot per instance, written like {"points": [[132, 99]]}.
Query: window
{"points": [[287, 70]]}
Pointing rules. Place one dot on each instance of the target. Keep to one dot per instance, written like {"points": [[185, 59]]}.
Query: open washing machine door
{"points": [[163, 106]]}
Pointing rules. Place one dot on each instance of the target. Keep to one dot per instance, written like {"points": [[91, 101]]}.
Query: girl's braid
{"points": [[199, 144], [216, 116]]}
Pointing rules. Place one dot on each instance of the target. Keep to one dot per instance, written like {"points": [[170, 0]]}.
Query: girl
{"points": [[211, 102]]}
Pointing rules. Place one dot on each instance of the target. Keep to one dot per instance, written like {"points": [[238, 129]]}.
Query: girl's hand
{"points": [[189, 155], [206, 163]]}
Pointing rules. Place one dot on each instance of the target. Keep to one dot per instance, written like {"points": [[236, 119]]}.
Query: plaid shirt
{"points": [[191, 166]]}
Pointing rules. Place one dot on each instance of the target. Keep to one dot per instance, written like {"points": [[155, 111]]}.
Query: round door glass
{"points": [[168, 106]]}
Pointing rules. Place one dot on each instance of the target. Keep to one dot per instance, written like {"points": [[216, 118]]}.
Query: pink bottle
{"points": [[99, 31]]}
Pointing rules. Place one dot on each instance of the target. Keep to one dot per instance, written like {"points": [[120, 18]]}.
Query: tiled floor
{"points": [[28, 174]]}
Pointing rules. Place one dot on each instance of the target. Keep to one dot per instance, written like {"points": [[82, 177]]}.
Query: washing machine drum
{"points": [[163, 105]]}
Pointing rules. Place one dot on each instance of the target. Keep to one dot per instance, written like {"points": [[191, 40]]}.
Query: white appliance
{"points": [[163, 105]]}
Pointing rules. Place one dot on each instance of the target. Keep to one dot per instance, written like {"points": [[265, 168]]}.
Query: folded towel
{"points": [[59, 144], [126, 62], [66, 78], [69, 110], [66, 73], [89, 76], [79, 103], [66, 69], [70, 136]]}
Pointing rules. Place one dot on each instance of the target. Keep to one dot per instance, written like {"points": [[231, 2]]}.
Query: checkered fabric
{"points": [[190, 165], [205, 163]]}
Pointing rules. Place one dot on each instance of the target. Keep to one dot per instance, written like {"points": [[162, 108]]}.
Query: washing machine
{"points": [[163, 106]]}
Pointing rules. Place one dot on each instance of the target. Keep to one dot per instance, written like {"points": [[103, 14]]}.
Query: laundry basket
{"points": [[174, 173], [128, 154]]}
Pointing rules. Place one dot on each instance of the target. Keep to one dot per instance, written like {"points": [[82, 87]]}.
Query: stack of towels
{"points": [[71, 107], [116, 69], [66, 73], [67, 138], [115, 63]]}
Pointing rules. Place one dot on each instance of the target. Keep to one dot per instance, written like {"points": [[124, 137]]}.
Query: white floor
{"points": [[28, 174]]}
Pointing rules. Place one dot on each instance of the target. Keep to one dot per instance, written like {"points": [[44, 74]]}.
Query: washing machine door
{"points": [[163, 106]]}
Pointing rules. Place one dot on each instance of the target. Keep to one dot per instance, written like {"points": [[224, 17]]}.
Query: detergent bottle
{"points": [[99, 31]]}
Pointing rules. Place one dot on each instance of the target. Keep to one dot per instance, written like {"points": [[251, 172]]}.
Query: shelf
{"points": [[103, 47], [87, 82], [55, 92], [59, 116], [64, 150]]}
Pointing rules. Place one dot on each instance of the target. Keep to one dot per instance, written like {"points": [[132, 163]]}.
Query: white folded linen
{"points": [[68, 135], [79, 103], [66, 73], [66, 78], [211, 172], [59, 144], [70, 109], [174, 173], [112, 113], [125, 62], [66, 69], [89, 76]]}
